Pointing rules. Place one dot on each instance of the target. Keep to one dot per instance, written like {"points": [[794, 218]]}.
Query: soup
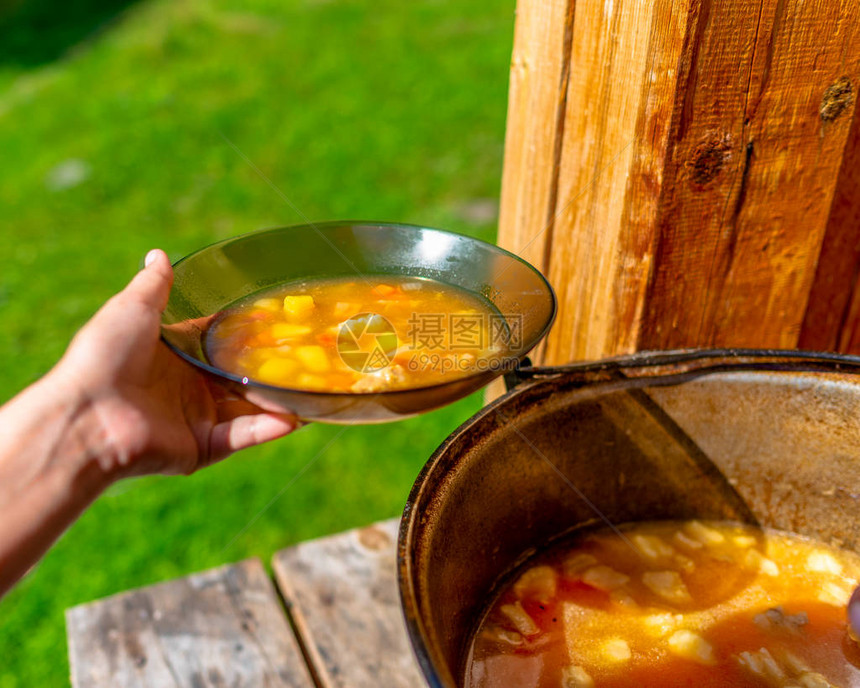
{"points": [[673, 604], [360, 335]]}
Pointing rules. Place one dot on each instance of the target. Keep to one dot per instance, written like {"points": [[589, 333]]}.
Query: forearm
{"points": [[55, 460]]}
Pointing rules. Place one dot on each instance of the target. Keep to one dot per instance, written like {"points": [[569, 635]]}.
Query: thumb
{"points": [[151, 286]]}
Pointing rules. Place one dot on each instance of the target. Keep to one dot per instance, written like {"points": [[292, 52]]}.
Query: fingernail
{"points": [[150, 258], [854, 612]]}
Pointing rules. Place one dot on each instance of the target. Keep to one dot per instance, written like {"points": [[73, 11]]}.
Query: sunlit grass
{"points": [[381, 110]]}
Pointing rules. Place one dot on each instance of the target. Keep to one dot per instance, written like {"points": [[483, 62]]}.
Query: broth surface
{"points": [[359, 335], [673, 604]]}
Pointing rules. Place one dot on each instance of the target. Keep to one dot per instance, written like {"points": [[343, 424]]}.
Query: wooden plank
{"points": [[223, 627], [832, 319], [624, 69], [536, 106], [343, 597], [703, 171], [738, 252]]}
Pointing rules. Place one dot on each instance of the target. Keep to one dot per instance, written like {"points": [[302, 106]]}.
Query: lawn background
{"points": [[115, 118]]}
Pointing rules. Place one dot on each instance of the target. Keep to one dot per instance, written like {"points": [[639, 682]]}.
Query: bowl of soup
{"points": [[688, 518], [347, 322]]}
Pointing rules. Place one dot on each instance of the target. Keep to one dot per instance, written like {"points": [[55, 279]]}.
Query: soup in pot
{"points": [[673, 604]]}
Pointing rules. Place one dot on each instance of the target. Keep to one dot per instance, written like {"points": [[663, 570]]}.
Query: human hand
{"points": [[156, 412]]}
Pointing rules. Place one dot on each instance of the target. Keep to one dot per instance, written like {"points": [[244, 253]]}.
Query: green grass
{"points": [[380, 109]]}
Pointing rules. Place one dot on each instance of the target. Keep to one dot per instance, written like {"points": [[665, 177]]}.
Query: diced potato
{"points": [[538, 583], [307, 381], [684, 540], [623, 599], [277, 371], [823, 562], [574, 566], [383, 290], [705, 535], [691, 646], [576, 677], [273, 305], [298, 306], [652, 547], [289, 330], [744, 540], [314, 358], [834, 594], [660, 625], [756, 560], [519, 618], [502, 635], [616, 650], [604, 578], [667, 585], [686, 564], [343, 308]]}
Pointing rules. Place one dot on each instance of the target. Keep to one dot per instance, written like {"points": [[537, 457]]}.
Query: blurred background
{"points": [[128, 125]]}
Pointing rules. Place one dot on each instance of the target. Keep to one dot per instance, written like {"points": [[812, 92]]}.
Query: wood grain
{"points": [[343, 597], [706, 191], [832, 320], [536, 105], [223, 627], [624, 67], [737, 253]]}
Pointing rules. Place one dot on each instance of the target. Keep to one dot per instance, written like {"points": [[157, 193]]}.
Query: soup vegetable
{"points": [[358, 335], [673, 604]]}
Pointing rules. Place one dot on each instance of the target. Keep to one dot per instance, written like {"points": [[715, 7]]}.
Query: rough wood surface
{"points": [[536, 106], [343, 597], [223, 627], [702, 165]]}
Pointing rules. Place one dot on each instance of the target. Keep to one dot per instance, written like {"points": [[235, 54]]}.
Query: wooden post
{"points": [[686, 172]]}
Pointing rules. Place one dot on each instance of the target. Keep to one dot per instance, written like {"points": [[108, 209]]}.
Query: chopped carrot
{"points": [[326, 338]]}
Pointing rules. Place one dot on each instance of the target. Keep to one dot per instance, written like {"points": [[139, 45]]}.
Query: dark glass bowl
{"points": [[215, 277]]}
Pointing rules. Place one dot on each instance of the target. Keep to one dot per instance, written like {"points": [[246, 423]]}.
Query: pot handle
{"points": [[645, 364], [513, 378]]}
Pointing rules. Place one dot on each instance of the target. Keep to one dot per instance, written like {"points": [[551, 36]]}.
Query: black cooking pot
{"points": [[765, 437]]}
